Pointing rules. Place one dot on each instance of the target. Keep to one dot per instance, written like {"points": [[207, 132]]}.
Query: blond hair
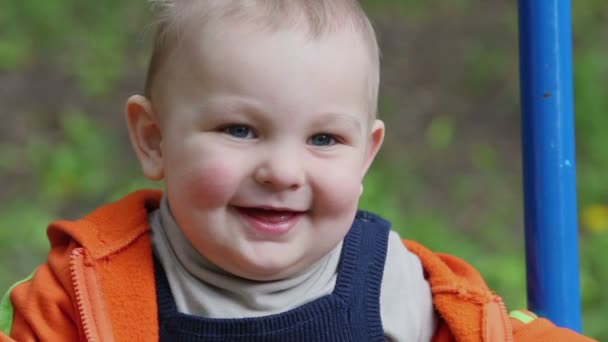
{"points": [[317, 17]]}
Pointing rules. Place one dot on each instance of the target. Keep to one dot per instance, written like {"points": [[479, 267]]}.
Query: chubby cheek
{"points": [[338, 194], [205, 185]]}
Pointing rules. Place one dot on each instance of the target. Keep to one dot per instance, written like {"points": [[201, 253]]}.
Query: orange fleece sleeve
{"points": [[42, 308]]}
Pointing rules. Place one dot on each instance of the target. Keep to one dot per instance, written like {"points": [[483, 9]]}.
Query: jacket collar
{"points": [[469, 309], [109, 228]]}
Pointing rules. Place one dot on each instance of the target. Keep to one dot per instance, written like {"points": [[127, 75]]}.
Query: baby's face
{"points": [[265, 140]]}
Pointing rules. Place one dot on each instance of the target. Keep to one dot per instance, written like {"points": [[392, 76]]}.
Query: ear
{"points": [[375, 139], [146, 136]]}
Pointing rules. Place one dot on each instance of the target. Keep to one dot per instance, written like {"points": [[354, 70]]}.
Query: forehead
{"points": [[251, 47], [212, 54], [273, 66]]}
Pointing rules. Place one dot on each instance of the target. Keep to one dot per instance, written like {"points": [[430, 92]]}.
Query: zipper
{"points": [[506, 321], [89, 301]]}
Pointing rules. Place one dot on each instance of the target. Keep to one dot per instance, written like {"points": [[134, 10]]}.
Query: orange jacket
{"points": [[98, 285]]}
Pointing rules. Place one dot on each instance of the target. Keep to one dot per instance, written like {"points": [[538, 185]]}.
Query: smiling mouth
{"points": [[270, 221]]}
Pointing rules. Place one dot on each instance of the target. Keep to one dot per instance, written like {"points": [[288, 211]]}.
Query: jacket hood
{"points": [[469, 309], [110, 227]]}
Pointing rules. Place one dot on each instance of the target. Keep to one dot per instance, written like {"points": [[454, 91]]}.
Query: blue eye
{"points": [[322, 140], [239, 131]]}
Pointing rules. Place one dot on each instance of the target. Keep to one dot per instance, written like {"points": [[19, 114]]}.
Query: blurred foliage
{"points": [[595, 218], [86, 39], [80, 163], [74, 166]]}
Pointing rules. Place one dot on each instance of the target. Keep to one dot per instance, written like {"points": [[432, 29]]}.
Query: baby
{"points": [[260, 118]]}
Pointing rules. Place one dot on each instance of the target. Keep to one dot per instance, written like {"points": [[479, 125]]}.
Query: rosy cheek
{"points": [[340, 194], [208, 186]]}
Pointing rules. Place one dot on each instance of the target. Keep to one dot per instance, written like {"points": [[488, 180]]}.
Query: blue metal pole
{"points": [[545, 38]]}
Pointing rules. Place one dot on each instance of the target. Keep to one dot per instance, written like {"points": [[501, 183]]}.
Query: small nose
{"points": [[281, 170]]}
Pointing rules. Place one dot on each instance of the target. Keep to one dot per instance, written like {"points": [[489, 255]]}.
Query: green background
{"points": [[448, 176]]}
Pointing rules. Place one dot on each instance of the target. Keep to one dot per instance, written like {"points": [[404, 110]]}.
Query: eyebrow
{"points": [[336, 118], [231, 105]]}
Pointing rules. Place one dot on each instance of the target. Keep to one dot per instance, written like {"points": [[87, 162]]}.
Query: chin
{"points": [[267, 271]]}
